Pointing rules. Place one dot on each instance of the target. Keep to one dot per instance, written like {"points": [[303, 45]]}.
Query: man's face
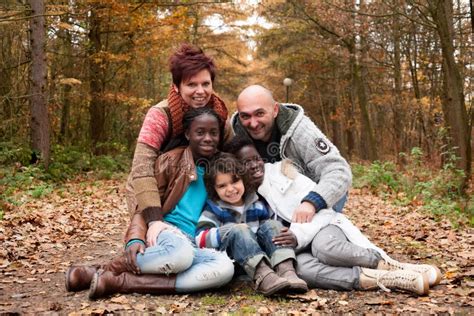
{"points": [[253, 164], [257, 113]]}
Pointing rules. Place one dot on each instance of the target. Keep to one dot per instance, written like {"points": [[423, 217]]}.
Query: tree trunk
{"points": [[359, 75], [398, 119], [39, 110], [453, 95], [368, 145], [96, 73], [66, 87]]}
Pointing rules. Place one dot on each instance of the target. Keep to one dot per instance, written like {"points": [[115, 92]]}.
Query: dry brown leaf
{"points": [[379, 301]]}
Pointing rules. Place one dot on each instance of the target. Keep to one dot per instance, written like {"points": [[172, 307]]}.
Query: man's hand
{"points": [[285, 238], [154, 230], [131, 256], [303, 213]]}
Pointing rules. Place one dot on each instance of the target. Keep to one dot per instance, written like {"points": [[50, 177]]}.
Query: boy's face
{"points": [[253, 164], [229, 188]]}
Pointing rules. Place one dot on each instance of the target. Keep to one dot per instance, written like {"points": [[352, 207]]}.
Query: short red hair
{"points": [[187, 61]]}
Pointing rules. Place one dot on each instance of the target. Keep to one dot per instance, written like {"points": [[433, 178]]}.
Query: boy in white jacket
{"points": [[334, 252]]}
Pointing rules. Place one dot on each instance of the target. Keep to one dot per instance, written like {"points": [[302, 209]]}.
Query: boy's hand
{"points": [[285, 238], [303, 213]]}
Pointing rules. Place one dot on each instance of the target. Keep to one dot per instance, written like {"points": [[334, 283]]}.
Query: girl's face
{"points": [[197, 90], [203, 136], [229, 188]]}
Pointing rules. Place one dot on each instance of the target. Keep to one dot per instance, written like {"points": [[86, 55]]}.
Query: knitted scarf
{"points": [[178, 107]]}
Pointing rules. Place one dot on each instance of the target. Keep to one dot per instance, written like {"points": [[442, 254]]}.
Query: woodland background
{"points": [[389, 81]]}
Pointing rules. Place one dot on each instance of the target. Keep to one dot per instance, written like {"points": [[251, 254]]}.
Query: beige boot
{"points": [[286, 270], [432, 272], [267, 281], [410, 281]]}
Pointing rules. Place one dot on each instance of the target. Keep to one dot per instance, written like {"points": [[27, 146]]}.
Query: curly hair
{"points": [[187, 61], [237, 143], [228, 164]]}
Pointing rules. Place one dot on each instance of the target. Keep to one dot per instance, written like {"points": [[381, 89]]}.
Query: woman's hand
{"points": [[154, 230], [304, 213], [131, 256], [285, 238]]}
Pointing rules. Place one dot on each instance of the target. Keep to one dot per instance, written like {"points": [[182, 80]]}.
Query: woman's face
{"points": [[203, 136], [196, 91]]}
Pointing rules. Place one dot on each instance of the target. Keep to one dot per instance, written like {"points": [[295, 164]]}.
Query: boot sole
{"points": [[93, 288], [281, 288], [426, 285], [66, 281], [438, 277], [298, 288]]}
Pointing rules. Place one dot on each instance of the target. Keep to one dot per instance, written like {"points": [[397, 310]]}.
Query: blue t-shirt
{"points": [[185, 214]]}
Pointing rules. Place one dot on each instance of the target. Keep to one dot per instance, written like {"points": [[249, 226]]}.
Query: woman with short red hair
{"points": [[193, 75]]}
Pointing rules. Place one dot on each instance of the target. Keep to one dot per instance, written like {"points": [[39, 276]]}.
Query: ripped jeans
{"points": [[196, 269]]}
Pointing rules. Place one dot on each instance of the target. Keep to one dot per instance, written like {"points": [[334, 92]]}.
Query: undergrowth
{"points": [[415, 184], [21, 181]]}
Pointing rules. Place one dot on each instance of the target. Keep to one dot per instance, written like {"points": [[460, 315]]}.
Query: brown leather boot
{"points": [[287, 271], [267, 281], [79, 278], [106, 283]]}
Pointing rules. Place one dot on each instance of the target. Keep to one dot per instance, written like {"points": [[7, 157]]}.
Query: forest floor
{"points": [[83, 223]]}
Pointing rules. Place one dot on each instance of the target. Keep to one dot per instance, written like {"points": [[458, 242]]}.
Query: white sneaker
{"points": [[432, 272], [406, 280]]}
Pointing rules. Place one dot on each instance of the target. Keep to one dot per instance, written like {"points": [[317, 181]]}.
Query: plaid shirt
{"points": [[217, 219]]}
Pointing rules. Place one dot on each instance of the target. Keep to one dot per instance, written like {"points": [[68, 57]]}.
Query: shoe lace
{"points": [[391, 279], [395, 264], [421, 268]]}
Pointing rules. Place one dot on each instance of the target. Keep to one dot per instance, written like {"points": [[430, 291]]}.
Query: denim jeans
{"points": [[249, 248], [340, 204], [196, 269], [334, 262]]}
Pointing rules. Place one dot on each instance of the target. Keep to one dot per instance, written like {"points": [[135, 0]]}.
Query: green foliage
{"points": [[18, 180], [213, 300], [41, 190], [437, 191], [11, 153], [380, 177]]}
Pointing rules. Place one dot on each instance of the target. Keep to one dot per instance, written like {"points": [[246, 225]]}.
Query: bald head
{"points": [[257, 111], [255, 91]]}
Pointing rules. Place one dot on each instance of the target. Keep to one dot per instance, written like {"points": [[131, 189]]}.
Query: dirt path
{"points": [[84, 223]]}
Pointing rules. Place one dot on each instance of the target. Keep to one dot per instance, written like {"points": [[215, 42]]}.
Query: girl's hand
{"points": [[154, 230], [131, 256], [286, 238]]}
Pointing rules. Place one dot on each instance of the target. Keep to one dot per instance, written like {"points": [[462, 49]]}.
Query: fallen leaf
{"points": [[119, 300], [263, 310], [378, 301]]}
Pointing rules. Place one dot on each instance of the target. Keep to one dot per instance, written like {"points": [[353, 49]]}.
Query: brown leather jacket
{"points": [[174, 171]]}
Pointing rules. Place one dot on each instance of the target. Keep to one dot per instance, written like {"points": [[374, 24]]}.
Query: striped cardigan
{"points": [[217, 218]]}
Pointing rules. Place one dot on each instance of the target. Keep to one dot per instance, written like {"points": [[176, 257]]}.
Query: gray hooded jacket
{"points": [[310, 150]]}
